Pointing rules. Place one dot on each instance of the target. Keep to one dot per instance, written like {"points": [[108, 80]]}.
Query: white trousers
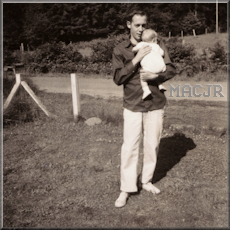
{"points": [[152, 123]]}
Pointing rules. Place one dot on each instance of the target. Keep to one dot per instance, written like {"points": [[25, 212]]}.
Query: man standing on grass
{"points": [[137, 112]]}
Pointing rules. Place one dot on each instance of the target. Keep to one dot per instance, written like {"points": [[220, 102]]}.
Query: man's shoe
{"points": [[121, 200], [151, 188]]}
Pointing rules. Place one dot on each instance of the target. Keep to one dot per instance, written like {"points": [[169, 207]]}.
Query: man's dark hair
{"points": [[136, 12]]}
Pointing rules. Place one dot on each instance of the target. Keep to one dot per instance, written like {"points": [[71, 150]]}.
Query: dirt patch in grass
{"points": [[58, 173]]}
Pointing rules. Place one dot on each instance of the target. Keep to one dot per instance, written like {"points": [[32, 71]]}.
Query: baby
{"points": [[152, 62]]}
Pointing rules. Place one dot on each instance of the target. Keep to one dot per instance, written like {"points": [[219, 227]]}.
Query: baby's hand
{"points": [[146, 49], [145, 75]]}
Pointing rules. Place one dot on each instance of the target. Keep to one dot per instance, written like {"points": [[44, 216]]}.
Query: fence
{"points": [[75, 96]]}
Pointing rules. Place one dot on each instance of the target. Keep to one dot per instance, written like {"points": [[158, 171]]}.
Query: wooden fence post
{"points": [[36, 99], [22, 47], [194, 33], [13, 92], [75, 96], [29, 91], [182, 36]]}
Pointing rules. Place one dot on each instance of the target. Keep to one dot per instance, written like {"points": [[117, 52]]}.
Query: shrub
{"points": [[102, 52], [219, 54], [59, 57], [8, 57], [190, 61], [214, 59], [96, 68], [55, 57], [183, 56], [101, 59], [178, 52]]}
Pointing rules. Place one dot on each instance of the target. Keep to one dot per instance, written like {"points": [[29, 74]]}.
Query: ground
{"points": [[58, 173]]}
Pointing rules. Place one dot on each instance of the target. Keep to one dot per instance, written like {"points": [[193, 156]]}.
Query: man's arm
{"points": [[168, 74], [122, 71]]}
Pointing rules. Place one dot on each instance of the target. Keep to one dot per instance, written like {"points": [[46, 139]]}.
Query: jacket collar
{"points": [[128, 43]]}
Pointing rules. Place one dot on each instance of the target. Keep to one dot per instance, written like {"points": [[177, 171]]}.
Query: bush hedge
{"points": [[62, 58], [188, 61]]}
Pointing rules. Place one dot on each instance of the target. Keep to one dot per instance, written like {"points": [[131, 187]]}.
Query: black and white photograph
{"points": [[114, 114]]}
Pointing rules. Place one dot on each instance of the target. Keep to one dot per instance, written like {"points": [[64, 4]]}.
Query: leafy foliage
{"points": [[62, 58], [54, 57], [179, 52], [187, 60], [38, 23], [59, 57], [13, 25], [220, 55], [183, 56], [190, 22]]}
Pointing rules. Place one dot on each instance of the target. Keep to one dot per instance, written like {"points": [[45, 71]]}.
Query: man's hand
{"points": [[141, 53], [146, 76]]}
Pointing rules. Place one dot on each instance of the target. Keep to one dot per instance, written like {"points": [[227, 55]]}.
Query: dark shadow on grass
{"points": [[171, 151]]}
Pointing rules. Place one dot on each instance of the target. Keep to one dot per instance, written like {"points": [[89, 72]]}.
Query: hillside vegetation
{"points": [[203, 57], [64, 38]]}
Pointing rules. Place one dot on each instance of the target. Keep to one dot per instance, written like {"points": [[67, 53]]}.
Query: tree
{"points": [[190, 22], [13, 18], [36, 24], [39, 23]]}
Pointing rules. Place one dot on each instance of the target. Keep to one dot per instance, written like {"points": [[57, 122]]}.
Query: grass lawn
{"points": [[204, 41], [57, 173]]}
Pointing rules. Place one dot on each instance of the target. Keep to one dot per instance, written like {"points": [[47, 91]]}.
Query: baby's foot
{"points": [[161, 87]]}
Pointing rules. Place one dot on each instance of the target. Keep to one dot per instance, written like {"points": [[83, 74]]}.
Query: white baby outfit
{"points": [[152, 62]]}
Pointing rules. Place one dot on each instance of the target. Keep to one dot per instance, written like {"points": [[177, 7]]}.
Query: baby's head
{"points": [[149, 35]]}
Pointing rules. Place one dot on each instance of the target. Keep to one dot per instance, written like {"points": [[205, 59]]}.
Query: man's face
{"points": [[137, 26]]}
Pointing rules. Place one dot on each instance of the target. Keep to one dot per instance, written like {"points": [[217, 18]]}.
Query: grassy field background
{"points": [[58, 173], [204, 41]]}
